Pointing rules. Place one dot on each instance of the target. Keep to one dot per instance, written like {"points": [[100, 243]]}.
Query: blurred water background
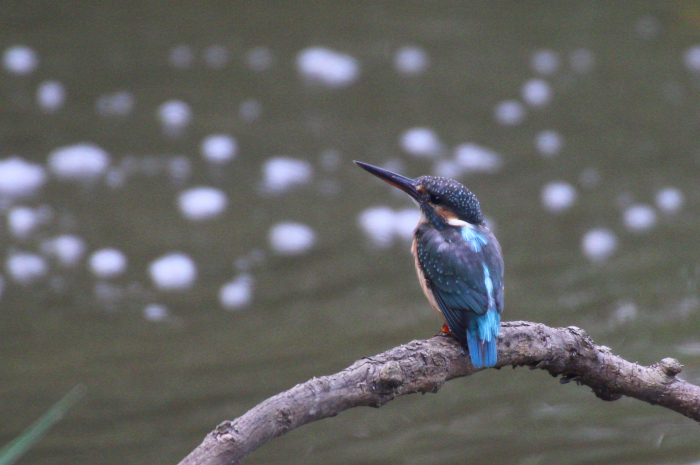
{"points": [[184, 233]]}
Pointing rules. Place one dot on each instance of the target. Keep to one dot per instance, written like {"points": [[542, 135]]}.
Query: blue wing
{"points": [[464, 270]]}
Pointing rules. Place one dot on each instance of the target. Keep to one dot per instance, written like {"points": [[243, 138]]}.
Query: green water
{"points": [[155, 388]]}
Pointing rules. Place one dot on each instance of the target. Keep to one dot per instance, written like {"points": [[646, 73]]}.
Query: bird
{"points": [[458, 260]]}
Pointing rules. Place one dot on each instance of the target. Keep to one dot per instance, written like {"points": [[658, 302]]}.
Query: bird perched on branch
{"points": [[458, 260]]}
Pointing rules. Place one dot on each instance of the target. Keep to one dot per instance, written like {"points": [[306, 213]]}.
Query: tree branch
{"points": [[424, 366]]}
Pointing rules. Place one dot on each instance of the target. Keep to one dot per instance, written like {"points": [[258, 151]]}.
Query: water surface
{"points": [[610, 91]]}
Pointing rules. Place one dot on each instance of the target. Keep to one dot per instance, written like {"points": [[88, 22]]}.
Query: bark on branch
{"points": [[424, 366]]}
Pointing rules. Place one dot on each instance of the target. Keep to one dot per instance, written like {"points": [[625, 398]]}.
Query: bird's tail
{"points": [[482, 335]]}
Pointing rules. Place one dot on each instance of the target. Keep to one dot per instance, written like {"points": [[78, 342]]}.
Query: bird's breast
{"points": [[423, 281]]}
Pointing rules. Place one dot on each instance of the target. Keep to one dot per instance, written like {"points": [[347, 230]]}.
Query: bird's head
{"points": [[441, 200]]}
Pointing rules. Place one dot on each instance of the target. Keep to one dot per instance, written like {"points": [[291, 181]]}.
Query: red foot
{"points": [[445, 329]]}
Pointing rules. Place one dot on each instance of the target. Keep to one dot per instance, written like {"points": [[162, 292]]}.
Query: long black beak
{"points": [[407, 185]]}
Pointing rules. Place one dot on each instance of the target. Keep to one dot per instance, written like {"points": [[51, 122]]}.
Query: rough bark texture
{"points": [[424, 366]]}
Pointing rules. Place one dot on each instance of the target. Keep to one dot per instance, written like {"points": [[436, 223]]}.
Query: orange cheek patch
{"points": [[445, 213]]}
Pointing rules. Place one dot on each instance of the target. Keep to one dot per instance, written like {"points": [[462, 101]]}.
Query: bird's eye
{"points": [[435, 198]]}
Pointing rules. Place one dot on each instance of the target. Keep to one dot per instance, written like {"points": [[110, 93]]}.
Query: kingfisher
{"points": [[458, 260]]}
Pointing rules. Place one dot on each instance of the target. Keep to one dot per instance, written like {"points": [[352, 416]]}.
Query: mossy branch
{"points": [[424, 366]]}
